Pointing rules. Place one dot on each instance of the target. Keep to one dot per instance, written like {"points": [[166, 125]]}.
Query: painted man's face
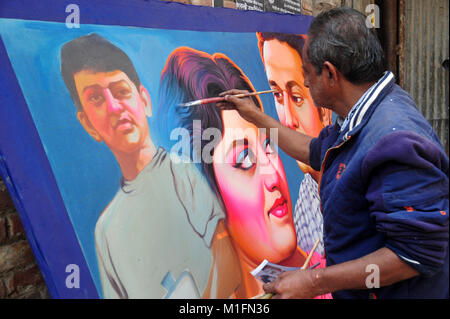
{"points": [[294, 104], [113, 109], [254, 189]]}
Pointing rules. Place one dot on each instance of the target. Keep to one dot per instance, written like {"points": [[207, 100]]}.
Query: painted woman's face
{"points": [[253, 185]]}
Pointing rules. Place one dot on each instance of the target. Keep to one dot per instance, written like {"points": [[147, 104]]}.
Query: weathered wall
{"points": [[309, 7], [425, 46]]}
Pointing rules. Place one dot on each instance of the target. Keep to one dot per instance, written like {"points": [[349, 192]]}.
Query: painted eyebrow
{"points": [[293, 84], [95, 86], [273, 83], [289, 86]]}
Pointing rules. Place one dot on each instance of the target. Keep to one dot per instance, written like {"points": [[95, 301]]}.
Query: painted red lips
{"points": [[279, 208]]}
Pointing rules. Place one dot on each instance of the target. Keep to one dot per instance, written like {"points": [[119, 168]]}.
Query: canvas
{"points": [[124, 193]]}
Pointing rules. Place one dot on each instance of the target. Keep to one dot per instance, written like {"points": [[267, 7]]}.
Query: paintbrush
{"points": [[311, 254], [221, 98], [308, 259]]}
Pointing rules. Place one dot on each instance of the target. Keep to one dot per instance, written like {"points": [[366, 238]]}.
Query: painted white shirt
{"points": [[157, 231]]}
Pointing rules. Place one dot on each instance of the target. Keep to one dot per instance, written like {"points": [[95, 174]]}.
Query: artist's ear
{"points": [[325, 115], [145, 97], [83, 119], [331, 73]]}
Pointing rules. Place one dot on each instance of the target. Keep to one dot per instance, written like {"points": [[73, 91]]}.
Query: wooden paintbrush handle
{"points": [[308, 259], [253, 93]]}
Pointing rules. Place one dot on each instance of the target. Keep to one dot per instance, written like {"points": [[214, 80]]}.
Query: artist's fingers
{"points": [[270, 287], [231, 99], [226, 106], [238, 102], [233, 92]]}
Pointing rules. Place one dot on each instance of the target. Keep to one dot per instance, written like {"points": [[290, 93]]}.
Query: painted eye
{"points": [[278, 95], [247, 164], [121, 93], [297, 99], [245, 160], [268, 146], [124, 92], [96, 98]]}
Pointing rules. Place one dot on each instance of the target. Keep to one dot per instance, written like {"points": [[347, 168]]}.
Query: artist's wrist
{"points": [[320, 284], [253, 116], [261, 119]]}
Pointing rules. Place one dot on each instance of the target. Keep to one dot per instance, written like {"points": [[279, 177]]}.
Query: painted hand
{"points": [[298, 284]]}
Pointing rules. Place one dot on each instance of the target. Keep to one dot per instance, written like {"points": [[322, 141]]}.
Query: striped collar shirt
{"points": [[357, 112]]}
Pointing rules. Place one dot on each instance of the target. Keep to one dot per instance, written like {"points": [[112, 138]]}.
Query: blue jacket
{"points": [[385, 184]]}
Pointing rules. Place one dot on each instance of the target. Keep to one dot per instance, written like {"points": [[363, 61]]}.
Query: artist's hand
{"points": [[245, 105], [298, 284]]}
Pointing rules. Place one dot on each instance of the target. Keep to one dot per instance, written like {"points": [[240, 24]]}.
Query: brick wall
{"points": [[20, 276]]}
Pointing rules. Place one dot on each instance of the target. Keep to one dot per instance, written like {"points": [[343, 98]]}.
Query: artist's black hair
{"points": [[342, 37], [93, 52]]}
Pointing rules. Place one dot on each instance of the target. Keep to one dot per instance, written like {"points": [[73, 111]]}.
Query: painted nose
{"points": [[112, 104], [291, 119], [270, 174]]}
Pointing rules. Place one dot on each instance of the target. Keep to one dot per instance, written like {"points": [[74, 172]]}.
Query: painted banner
{"points": [[125, 193]]}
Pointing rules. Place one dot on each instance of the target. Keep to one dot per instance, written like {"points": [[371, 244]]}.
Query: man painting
{"points": [[384, 184], [153, 239]]}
